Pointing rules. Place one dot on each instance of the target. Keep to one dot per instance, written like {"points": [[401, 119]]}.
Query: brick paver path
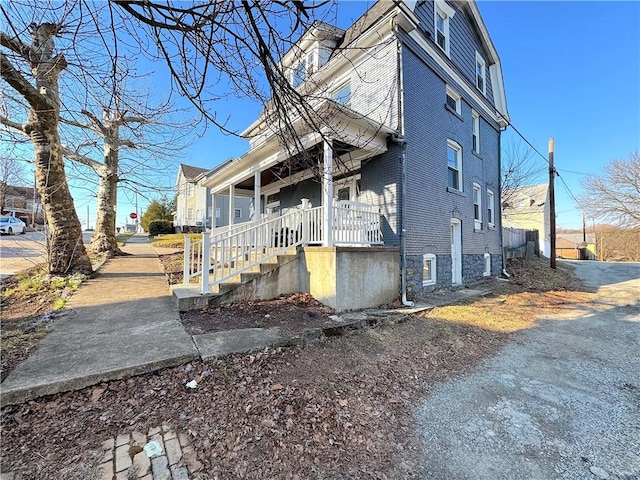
{"points": [[124, 458]]}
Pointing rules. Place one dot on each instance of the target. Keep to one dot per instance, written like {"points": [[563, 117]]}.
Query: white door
{"points": [[456, 251]]}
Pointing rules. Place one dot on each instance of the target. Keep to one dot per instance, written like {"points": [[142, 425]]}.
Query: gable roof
{"points": [[529, 198], [571, 240], [190, 173]]}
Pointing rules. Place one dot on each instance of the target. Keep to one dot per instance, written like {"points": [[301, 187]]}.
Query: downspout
{"points": [[400, 140], [504, 252]]}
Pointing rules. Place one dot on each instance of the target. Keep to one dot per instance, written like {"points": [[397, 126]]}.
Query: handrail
{"points": [[242, 247]]}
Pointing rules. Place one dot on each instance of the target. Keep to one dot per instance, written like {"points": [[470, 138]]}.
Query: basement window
{"points": [[428, 269]]}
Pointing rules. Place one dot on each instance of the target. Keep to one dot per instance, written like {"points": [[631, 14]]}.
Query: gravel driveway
{"points": [[561, 401]]}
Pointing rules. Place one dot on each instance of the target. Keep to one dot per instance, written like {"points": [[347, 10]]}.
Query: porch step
{"points": [[189, 297]]}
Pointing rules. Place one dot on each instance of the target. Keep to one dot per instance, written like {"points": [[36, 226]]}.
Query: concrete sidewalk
{"points": [[123, 322]]}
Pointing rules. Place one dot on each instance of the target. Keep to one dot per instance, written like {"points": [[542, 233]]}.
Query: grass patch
{"points": [[29, 301], [174, 240], [121, 238]]}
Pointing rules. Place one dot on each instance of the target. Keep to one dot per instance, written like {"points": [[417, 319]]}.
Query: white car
{"points": [[11, 225]]}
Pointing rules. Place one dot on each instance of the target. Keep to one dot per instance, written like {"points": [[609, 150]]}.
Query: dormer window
{"points": [[481, 73], [306, 68], [342, 94], [442, 14]]}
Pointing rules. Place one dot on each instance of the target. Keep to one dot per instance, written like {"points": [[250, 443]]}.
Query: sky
{"points": [[571, 71]]}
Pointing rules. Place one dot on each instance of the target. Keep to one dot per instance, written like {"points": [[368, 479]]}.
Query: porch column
{"points": [[327, 195], [256, 197], [232, 196], [213, 211]]}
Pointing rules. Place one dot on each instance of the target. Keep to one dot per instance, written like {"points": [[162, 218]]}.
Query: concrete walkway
{"points": [[123, 322]]}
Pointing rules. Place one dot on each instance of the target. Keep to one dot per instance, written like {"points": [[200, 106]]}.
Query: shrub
{"points": [[160, 227]]}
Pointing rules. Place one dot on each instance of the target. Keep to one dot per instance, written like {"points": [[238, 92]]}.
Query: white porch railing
{"points": [[236, 249]]}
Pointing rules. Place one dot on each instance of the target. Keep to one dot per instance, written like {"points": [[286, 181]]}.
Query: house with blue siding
{"points": [[410, 105]]}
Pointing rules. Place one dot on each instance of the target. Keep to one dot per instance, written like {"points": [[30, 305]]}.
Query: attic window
{"points": [[442, 14]]}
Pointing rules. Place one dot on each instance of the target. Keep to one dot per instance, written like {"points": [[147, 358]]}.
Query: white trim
{"points": [[456, 251], [475, 131], [477, 195], [480, 61], [441, 7], [456, 96], [491, 206], [487, 265], [433, 269], [497, 114], [458, 149]]}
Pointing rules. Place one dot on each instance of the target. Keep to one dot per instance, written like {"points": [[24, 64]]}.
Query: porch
{"points": [[290, 253]]}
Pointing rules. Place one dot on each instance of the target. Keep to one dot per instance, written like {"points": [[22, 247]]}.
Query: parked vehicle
{"points": [[11, 225]]}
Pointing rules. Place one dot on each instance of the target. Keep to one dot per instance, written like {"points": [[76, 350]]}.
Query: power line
{"points": [[555, 170]]}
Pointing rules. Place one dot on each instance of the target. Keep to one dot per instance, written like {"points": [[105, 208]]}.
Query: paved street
{"points": [[561, 401], [19, 252]]}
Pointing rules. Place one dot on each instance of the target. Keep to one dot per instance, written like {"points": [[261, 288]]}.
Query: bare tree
{"points": [[31, 67], [141, 128], [219, 50], [517, 170], [615, 195]]}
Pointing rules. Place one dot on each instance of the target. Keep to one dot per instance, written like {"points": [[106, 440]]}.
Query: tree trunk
{"points": [[66, 251], [104, 237]]}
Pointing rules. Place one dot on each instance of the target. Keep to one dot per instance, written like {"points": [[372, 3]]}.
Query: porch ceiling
{"points": [[359, 137]]}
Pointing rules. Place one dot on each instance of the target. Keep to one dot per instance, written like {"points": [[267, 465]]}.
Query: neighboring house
{"points": [[576, 246], [416, 100], [529, 209], [23, 202], [193, 202]]}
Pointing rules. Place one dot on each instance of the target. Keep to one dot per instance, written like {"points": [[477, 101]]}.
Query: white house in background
{"points": [[193, 203], [529, 208]]}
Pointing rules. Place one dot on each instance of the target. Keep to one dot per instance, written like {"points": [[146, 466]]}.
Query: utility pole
{"points": [[584, 227], [552, 205]]}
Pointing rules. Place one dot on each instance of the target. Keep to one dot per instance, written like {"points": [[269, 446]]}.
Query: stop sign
{"points": [[133, 215]]}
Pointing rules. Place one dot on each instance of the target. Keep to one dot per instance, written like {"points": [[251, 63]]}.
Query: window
{"points": [[454, 164], [310, 64], [453, 100], [477, 206], [217, 213], [475, 136], [342, 94], [237, 213], [190, 189], [442, 15], [428, 269], [480, 73], [490, 209], [487, 265], [190, 216]]}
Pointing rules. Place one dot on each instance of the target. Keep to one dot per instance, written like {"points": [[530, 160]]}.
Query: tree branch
{"points": [[22, 85], [16, 45], [84, 160], [101, 130], [20, 127]]}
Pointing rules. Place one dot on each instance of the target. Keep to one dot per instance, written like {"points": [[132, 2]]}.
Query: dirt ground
{"points": [[292, 313], [339, 409]]}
